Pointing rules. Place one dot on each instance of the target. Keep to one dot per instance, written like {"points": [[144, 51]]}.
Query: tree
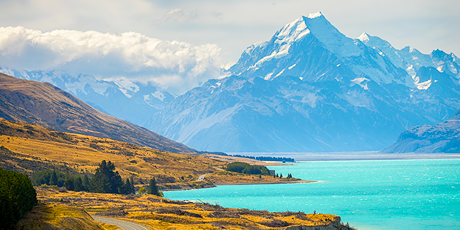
{"points": [[133, 190], [237, 166], [153, 189], [281, 175], [17, 197], [53, 179], [78, 184], [68, 183], [105, 180], [86, 183]]}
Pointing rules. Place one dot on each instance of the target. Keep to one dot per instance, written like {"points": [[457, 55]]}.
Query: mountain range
{"points": [[139, 100], [46, 105], [311, 88]]}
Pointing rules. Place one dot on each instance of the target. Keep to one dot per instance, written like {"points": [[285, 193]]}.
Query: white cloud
{"points": [[176, 66], [179, 15]]}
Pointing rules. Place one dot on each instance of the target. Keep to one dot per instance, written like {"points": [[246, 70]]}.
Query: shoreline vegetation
{"points": [[279, 182], [155, 212]]}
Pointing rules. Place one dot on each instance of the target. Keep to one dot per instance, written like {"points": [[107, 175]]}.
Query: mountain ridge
{"points": [[47, 105], [295, 93]]}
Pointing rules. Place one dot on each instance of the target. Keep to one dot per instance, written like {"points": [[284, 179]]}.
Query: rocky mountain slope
{"points": [[440, 138], [139, 101], [311, 88], [48, 106]]}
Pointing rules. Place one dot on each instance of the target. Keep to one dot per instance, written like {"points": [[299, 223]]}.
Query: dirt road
{"points": [[126, 225]]}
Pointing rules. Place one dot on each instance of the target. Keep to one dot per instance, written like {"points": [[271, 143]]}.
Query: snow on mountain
{"points": [[311, 88], [312, 40], [411, 60], [122, 98]]}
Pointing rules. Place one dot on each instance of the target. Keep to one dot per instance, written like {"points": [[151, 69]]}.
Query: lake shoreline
{"points": [[278, 182]]}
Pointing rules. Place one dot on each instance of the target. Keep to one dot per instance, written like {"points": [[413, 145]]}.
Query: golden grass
{"points": [[159, 213], [83, 153], [59, 216]]}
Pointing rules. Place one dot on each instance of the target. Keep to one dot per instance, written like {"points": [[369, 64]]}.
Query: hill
{"points": [[48, 106], [443, 137], [30, 148]]}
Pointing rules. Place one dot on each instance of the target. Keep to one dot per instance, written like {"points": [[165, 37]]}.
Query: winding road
{"points": [[125, 225], [201, 178]]}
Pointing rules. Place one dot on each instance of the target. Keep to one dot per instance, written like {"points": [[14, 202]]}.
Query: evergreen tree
{"points": [[68, 183], [106, 180], [86, 184], [153, 189], [53, 179], [127, 187], [281, 175], [78, 184], [133, 190]]}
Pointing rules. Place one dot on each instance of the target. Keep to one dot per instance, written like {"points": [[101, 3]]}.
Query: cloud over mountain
{"points": [[175, 66]]}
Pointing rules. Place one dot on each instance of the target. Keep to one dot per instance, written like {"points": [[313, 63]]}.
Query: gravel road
{"points": [[126, 225]]}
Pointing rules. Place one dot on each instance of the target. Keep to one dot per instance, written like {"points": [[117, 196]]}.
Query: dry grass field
{"points": [[159, 213], [29, 148]]}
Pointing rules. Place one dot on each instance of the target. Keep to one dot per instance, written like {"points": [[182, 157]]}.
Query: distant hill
{"points": [[440, 138], [46, 105]]}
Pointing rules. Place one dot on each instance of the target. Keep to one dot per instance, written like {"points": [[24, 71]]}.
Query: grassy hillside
{"points": [[46, 105], [158, 213], [30, 148], [52, 216]]}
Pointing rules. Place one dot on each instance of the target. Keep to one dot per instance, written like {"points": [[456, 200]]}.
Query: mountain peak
{"points": [[363, 37], [315, 15]]}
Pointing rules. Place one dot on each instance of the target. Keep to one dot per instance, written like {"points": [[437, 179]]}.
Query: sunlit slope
{"points": [[48, 106], [31, 147]]}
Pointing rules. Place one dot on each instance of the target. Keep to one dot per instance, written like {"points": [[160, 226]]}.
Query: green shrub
{"points": [[237, 166], [246, 168], [17, 197]]}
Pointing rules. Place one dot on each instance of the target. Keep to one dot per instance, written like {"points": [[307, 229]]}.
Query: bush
{"points": [[17, 197], [246, 168], [237, 166]]}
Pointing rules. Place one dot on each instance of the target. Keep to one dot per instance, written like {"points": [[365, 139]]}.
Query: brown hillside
{"points": [[46, 105], [30, 148]]}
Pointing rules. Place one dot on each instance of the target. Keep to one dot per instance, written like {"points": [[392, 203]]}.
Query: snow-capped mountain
{"points": [[413, 60], [132, 101], [311, 88]]}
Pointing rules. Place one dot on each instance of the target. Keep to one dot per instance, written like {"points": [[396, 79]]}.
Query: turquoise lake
{"points": [[381, 194]]}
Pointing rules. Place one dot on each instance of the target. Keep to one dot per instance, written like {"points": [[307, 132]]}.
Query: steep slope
{"points": [[51, 107], [413, 60], [440, 138], [309, 88], [139, 100]]}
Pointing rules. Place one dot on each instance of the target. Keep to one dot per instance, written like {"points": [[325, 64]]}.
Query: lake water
{"points": [[380, 194]]}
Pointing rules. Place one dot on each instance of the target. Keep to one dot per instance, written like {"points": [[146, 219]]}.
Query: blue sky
{"points": [[234, 25]]}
